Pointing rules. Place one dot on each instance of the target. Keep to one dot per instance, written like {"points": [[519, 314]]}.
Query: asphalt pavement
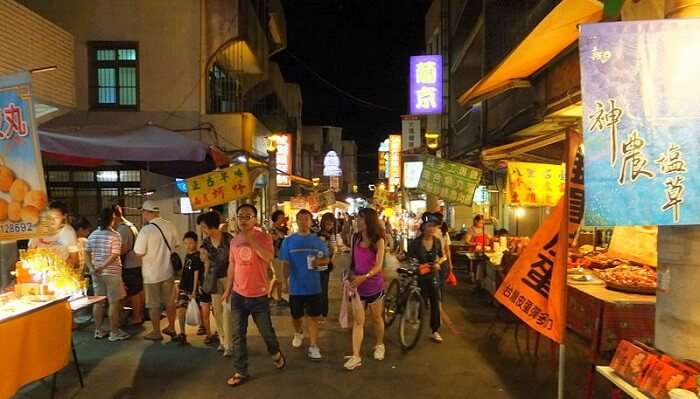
{"points": [[480, 358]]}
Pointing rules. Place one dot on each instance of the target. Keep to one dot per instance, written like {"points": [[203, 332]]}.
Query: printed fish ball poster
{"points": [[23, 196]]}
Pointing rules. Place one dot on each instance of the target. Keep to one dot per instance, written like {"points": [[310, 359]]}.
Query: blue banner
{"points": [[641, 116]]}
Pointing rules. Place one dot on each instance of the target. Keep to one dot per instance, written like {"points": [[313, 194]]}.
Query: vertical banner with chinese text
{"points": [[639, 83], [426, 84], [23, 197], [219, 187], [535, 287], [284, 159], [451, 181]]}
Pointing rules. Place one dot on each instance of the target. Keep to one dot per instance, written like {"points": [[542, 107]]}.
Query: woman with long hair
{"points": [[428, 251], [327, 234], [367, 251]]}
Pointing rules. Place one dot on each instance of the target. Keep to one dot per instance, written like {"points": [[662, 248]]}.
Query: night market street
{"points": [[483, 362]]}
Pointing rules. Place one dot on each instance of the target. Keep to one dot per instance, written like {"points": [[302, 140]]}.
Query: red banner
{"points": [[535, 288]]}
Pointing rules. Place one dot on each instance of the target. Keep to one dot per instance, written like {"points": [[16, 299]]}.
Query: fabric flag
{"points": [[535, 288]]}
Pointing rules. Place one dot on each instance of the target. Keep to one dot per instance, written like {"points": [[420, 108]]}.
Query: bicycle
{"points": [[404, 297]]}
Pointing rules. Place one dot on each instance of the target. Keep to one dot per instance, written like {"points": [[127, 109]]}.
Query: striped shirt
{"points": [[101, 244]]}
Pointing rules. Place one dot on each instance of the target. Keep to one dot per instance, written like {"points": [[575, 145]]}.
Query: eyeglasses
{"points": [[245, 217]]}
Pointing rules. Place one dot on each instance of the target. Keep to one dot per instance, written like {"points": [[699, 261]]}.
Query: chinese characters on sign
{"points": [[535, 184], [410, 132], [535, 286], [426, 84], [23, 197], [640, 129], [395, 161], [219, 187], [451, 181], [284, 159]]}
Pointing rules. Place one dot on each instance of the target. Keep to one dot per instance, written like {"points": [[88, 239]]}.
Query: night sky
{"points": [[362, 48]]}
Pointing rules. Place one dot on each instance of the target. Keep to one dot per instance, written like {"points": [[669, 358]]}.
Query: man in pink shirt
{"points": [[251, 253]]}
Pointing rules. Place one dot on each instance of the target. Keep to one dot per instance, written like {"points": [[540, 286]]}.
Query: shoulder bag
{"points": [[175, 260]]}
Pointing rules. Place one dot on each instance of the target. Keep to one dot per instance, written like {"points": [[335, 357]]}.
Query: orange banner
{"points": [[535, 288]]}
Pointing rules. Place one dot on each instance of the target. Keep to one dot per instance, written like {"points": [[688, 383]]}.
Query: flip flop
{"points": [[281, 362], [171, 333], [153, 337], [237, 380]]}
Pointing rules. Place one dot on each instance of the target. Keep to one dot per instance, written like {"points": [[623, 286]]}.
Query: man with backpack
{"points": [[154, 244], [131, 263]]}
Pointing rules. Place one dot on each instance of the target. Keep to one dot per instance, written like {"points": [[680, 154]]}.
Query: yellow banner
{"points": [[535, 184], [219, 187]]}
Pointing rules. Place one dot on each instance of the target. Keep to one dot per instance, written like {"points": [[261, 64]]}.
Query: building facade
{"points": [[317, 142], [196, 67]]}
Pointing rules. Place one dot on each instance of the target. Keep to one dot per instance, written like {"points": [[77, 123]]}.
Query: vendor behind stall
{"points": [[65, 240], [476, 235]]}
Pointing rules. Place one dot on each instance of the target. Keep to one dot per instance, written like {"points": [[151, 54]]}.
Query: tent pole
{"points": [[562, 371]]}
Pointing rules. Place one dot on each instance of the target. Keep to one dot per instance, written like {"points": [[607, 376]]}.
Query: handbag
{"points": [[175, 260]]}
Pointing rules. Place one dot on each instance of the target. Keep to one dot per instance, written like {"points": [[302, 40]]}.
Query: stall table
{"points": [[36, 344], [620, 383], [606, 317]]}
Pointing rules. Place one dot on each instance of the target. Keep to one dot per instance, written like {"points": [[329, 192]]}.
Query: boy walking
{"points": [[303, 253], [192, 272]]}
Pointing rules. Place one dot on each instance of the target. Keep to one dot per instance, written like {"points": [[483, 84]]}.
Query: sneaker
{"points": [[352, 363], [118, 335], [298, 340], [228, 353], [379, 352], [314, 353], [99, 334], [437, 337]]}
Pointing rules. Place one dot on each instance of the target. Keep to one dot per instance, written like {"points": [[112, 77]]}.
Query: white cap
{"points": [[150, 206]]}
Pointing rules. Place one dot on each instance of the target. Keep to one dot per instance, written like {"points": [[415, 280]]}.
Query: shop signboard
{"points": [[535, 286], [395, 161], [298, 202], [331, 164], [410, 132], [411, 173], [535, 184], [426, 84], [284, 159], [23, 197], [451, 181], [219, 187], [640, 129]]}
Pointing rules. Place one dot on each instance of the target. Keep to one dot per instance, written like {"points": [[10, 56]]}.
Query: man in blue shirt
{"points": [[303, 253]]}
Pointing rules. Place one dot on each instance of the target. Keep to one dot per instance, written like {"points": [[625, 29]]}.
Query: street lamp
{"points": [[519, 214], [432, 141]]}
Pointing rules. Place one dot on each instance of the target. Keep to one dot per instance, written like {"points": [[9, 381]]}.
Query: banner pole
{"points": [[562, 370], [564, 256]]}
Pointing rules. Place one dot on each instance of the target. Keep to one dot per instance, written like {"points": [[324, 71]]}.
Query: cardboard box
{"points": [[667, 374], [633, 360]]}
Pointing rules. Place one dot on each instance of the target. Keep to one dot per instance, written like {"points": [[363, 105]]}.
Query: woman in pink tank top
{"points": [[366, 275]]}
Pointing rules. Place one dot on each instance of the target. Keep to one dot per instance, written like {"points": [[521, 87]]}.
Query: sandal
{"points": [[236, 380], [280, 362], [170, 332]]}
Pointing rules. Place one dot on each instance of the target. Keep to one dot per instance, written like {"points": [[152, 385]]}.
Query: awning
{"points": [[557, 31], [149, 147], [520, 149]]}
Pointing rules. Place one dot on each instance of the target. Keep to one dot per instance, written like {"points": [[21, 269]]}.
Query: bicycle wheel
{"points": [[412, 320], [391, 303]]}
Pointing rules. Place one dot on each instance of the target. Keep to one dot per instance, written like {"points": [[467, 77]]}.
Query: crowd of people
{"points": [[237, 276]]}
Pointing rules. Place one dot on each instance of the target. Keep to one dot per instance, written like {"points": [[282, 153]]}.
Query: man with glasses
{"points": [[251, 253]]}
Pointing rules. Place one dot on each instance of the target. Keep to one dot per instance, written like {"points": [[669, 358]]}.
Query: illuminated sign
{"points": [[284, 159], [181, 185], [395, 161], [331, 164], [426, 84], [411, 173]]}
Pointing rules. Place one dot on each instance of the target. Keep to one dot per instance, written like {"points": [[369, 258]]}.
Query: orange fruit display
{"points": [[36, 199], [3, 210], [30, 214], [14, 211]]}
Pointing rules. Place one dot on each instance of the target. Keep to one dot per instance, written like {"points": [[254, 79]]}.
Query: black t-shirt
{"points": [[326, 238], [193, 264], [417, 250], [219, 256]]}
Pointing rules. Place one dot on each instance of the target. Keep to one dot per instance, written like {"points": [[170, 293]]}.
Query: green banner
{"points": [[451, 181]]}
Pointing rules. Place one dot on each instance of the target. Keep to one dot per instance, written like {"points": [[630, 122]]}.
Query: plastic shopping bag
{"points": [[192, 317], [451, 279]]}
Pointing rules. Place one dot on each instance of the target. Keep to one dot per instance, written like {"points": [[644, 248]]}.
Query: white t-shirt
{"points": [[156, 256], [65, 241]]}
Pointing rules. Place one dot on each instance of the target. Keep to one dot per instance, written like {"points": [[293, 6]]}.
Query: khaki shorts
{"points": [[277, 266], [110, 286], [158, 294]]}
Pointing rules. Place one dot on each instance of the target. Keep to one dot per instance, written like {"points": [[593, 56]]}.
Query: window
{"points": [[225, 91], [113, 75]]}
